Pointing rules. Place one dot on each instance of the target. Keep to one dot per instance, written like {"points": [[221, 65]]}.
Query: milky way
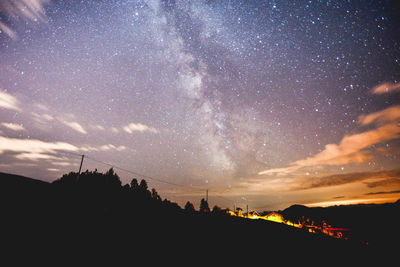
{"points": [[261, 102]]}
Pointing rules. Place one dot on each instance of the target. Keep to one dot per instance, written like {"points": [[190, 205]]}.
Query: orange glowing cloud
{"points": [[376, 178], [351, 147], [386, 88], [381, 117]]}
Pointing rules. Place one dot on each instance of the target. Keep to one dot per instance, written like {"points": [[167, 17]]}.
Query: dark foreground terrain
{"points": [[99, 219]]}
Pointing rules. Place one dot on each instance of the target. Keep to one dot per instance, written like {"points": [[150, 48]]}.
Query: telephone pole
{"points": [[207, 195], [80, 168]]}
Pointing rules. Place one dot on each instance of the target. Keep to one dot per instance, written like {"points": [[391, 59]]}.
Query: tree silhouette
{"points": [[154, 195], [204, 208], [217, 210], [93, 193], [189, 207], [134, 184], [143, 185], [143, 189]]}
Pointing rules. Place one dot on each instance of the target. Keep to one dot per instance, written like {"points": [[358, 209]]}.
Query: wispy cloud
{"points": [[349, 202], [379, 177], [351, 147], [97, 127], [392, 181], [386, 88], [383, 192], [112, 147], [75, 126], [13, 126], [8, 101], [114, 130], [7, 30], [107, 147], [42, 118], [33, 149], [381, 117], [138, 127], [22, 10]]}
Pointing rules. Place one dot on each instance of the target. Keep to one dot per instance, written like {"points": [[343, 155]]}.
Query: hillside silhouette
{"points": [[97, 214], [372, 224]]}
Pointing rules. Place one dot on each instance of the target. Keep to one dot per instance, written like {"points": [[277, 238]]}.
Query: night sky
{"points": [[265, 103]]}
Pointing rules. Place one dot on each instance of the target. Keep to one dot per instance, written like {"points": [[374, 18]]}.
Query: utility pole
{"points": [[207, 195], [80, 168], [247, 211]]}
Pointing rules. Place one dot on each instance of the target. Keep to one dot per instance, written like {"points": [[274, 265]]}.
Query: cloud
{"points": [[338, 197], [22, 9], [8, 101], [12, 126], [280, 171], [111, 146], [108, 147], [97, 127], [138, 127], [339, 179], [63, 163], [394, 181], [381, 117], [42, 118], [386, 88], [383, 192], [31, 9], [348, 202], [351, 147], [42, 107], [7, 30], [75, 126], [33, 149]]}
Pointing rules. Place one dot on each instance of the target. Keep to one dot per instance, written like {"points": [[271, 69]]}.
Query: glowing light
{"points": [[307, 224]]}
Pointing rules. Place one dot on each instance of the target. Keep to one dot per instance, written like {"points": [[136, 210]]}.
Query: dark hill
{"points": [[296, 209], [21, 193], [98, 217], [17, 182], [375, 224]]}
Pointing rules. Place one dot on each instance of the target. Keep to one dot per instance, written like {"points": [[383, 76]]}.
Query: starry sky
{"points": [[263, 103]]}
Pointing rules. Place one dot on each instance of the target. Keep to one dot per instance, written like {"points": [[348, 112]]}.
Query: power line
{"points": [[123, 169], [188, 187], [224, 198], [134, 173]]}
